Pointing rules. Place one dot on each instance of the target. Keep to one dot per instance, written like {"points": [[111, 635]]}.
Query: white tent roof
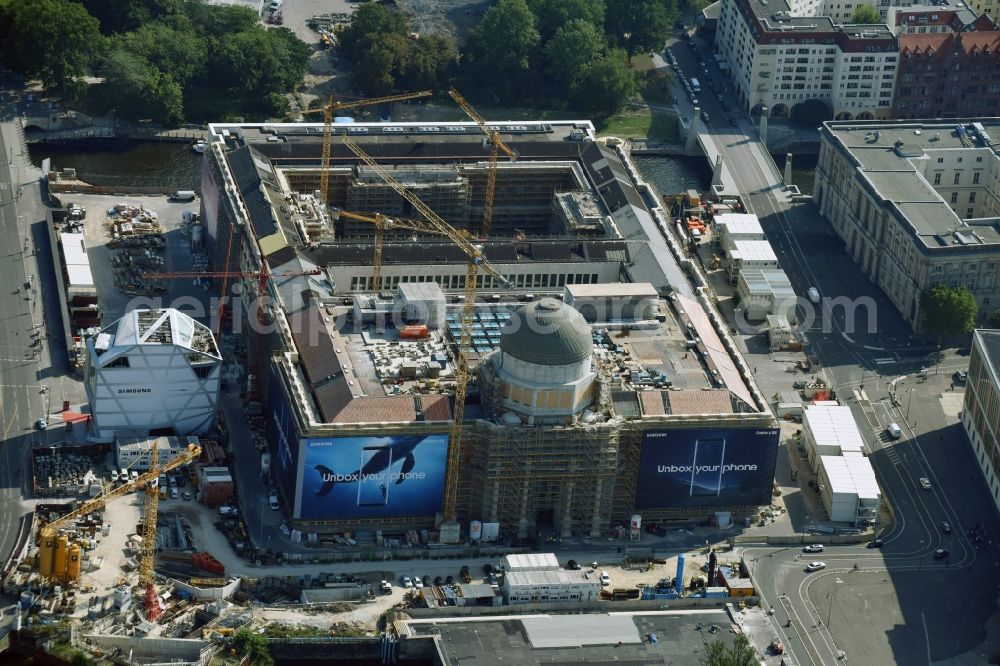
{"points": [[851, 474]]}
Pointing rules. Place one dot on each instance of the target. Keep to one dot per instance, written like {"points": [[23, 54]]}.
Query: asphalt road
{"points": [[24, 364], [899, 606]]}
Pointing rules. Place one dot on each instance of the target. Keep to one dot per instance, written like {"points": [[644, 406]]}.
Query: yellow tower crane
{"points": [[59, 557], [496, 145], [328, 109], [476, 263], [383, 224]]}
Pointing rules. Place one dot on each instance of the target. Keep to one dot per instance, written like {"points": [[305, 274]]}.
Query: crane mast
{"points": [[476, 261], [496, 145]]}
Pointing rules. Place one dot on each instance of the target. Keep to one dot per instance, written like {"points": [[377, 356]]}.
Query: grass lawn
{"points": [[642, 124]]}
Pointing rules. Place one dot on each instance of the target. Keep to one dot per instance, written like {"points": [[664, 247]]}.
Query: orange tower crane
{"points": [[496, 146], [476, 262], [263, 276], [328, 109]]}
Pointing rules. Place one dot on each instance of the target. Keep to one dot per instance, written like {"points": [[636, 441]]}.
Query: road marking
{"points": [[927, 637]]}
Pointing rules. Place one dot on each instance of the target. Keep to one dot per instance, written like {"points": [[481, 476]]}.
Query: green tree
{"points": [[254, 646], [639, 25], [948, 310], [554, 14], [697, 6], [221, 20], [606, 85], [369, 19], [124, 15], [571, 52], [866, 14], [994, 319], [151, 94], [379, 60], [52, 40], [183, 53], [255, 62], [428, 64], [500, 50], [741, 653]]}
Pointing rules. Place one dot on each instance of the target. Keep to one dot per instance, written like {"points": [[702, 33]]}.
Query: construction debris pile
{"points": [[138, 236], [326, 26], [68, 475]]}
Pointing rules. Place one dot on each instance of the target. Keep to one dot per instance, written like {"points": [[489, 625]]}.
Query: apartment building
{"points": [[779, 59], [948, 75], [916, 204], [981, 408]]}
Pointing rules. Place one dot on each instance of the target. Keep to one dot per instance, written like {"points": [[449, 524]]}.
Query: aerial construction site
{"points": [[452, 339]]}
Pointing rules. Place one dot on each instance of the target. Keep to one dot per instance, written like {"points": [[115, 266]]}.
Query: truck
{"points": [[695, 85], [183, 195]]}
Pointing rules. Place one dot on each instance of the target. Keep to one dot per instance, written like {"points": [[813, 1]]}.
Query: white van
{"points": [[605, 579], [894, 431], [183, 195]]}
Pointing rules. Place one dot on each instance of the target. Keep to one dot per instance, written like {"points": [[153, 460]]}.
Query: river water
{"points": [[173, 166], [176, 166]]}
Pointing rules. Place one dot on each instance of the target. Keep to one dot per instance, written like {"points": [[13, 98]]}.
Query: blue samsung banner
{"points": [[282, 439], [706, 468], [366, 477]]}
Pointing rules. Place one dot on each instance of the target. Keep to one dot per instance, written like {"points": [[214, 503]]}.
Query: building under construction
{"points": [[605, 385]]}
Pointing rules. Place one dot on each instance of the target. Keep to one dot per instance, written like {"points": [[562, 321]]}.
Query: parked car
{"points": [[272, 502], [605, 579], [228, 511], [386, 587], [573, 565], [940, 554], [946, 527], [174, 494], [185, 496], [925, 483], [813, 548], [815, 566], [960, 375], [417, 583], [405, 582], [448, 580]]}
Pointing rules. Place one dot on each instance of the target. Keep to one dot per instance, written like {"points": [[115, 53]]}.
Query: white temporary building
{"points": [[848, 488], [152, 370], [830, 430], [531, 562], [747, 254], [731, 227]]}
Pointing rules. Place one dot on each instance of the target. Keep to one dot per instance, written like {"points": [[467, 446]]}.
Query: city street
{"points": [[26, 366], [894, 609]]}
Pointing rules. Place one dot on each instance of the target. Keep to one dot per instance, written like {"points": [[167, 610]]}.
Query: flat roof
{"points": [[771, 281], [753, 250], [495, 641], [989, 341], [561, 577], [531, 562], [891, 158], [834, 426], [612, 289], [739, 223], [851, 475]]}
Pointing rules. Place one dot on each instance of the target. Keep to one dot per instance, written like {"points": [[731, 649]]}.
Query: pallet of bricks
{"points": [[138, 236]]}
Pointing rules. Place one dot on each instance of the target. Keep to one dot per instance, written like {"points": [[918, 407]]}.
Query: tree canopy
{"points": [[866, 14], [948, 310], [162, 60], [254, 646], [500, 51], [811, 113], [741, 653], [639, 25], [53, 40], [994, 319]]}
